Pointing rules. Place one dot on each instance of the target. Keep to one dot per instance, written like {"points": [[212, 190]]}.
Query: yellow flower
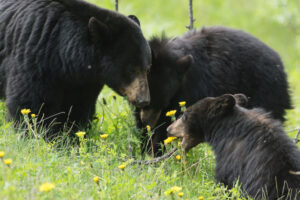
{"points": [[169, 140], [200, 198], [180, 194], [182, 103], [25, 111], [80, 133], [46, 187], [104, 136], [122, 166], [33, 115], [96, 179], [173, 190], [7, 161], [148, 128], [171, 113], [2, 153], [178, 157], [179, 144]]}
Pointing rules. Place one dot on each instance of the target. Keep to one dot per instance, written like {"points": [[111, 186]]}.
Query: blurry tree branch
{"points": [[117, 5], [191, 25]]}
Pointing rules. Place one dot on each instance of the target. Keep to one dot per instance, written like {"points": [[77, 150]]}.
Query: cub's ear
{"points": [[221, 106], [184, 63], [98, 30], [135, 19], [241, 100]]}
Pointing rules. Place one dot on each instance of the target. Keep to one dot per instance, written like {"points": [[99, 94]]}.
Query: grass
{"points": [[71, 168]]}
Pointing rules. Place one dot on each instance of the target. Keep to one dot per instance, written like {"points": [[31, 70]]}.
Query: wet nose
{"points": [[169, 129], [142, 102]]}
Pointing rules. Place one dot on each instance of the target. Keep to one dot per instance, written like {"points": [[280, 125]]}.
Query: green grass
{"points": [[72, 167]]}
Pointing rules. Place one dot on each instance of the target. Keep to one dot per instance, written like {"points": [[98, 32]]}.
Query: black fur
{"points": [[224, 60], [58, 54], [249, 145]]}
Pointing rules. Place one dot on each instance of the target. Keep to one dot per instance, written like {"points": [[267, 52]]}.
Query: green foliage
{"points": [[72, 167]]}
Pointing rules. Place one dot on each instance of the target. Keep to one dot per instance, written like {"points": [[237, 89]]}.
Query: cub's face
{"points": [[194, 125], [165, 78]]}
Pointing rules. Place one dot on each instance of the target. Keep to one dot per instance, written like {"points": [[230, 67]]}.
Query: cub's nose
{"points": [[169, 129]]}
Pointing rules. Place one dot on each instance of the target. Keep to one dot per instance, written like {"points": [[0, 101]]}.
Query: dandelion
{"points": [[33, 115], [169, 140], [178, 157], [179, 144], [200, 198], [80, 133], [180, 194], [104, 136], [171, 113], [25, 111], [96, 179], [182, 103], [7, 161], [2, 153], [46, 187], [172, 190], [122, 167], [148, 128]]}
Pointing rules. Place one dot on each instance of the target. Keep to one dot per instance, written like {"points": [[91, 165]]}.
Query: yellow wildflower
{"points": [[200, 198], [148, 128], [80, 133], [171, 113], [7, 161], [169, 140], [33, 115], [122, 166], [2, 153], [178, 157], [25, 111], [96, 179], [182, 103], [173, 190], [46, 187], [179, 144], [104, 136], [180, 194]]}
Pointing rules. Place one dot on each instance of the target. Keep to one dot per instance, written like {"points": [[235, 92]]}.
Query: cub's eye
{"points": [[183, 118]]}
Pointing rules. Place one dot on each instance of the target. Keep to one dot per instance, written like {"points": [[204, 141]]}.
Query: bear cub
{"points": [[208, 63], [249, 145]]}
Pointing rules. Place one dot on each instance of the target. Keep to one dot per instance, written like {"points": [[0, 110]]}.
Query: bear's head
{"points": [[126, 56], [196, 122], [165, 77]]}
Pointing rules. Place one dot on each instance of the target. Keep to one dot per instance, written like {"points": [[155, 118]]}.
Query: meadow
{"points": [[100, 166]]}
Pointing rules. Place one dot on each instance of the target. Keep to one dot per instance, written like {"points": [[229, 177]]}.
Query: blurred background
{"points": [[275, 22]]}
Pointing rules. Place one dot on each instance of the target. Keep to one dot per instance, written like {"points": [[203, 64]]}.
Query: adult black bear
{"points": [[56, 55], [211, 62], [249, 145]]}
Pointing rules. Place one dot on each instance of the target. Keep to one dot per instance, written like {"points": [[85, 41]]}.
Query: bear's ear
{"points": [[135, 19], [221, 106], [98, 30], [184, 63], [241, 100]]}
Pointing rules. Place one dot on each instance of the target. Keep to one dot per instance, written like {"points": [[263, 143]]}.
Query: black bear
{"points": [[56, 55], [249, 145], [211, 62]]}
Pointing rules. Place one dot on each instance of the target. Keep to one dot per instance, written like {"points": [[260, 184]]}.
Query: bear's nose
{"points": [[169, 130], [141, 102]]}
